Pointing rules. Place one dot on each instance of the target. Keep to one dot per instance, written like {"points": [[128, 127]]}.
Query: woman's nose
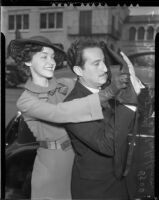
{"points": [[52, 61]]}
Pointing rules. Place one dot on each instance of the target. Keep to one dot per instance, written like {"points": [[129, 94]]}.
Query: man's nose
{"points": [[104, 67]]}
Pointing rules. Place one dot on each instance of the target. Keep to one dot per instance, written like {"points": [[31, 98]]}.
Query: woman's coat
{"points": [[51, 174]]}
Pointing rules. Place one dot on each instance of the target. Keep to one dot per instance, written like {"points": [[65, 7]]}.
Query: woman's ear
{"points": [[78, 70], [28, 64]]}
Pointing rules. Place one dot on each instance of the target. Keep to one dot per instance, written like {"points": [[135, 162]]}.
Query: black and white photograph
{"points": [[79, 102]]}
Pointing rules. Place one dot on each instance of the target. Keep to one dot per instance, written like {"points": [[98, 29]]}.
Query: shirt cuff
{"points": [[133, 108], [95, 107]]}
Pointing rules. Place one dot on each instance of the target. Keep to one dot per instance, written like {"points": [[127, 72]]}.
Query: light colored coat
{"points": [[51, 174]]}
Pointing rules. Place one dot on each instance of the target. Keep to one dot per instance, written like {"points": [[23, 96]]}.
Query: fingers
{"points": [[121, 78], [125, 58], [124, 78], [124, 85], [118, 59], [121, 81], [129, 64]]}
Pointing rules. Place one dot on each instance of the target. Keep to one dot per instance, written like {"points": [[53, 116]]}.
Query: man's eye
{"points": [[96, 64]]}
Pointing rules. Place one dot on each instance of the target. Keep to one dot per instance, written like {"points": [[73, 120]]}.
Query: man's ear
{"points": [[78, 71], [28, 64]]}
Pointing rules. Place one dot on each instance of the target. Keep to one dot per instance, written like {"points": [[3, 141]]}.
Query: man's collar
{"points": [[93, 90]]}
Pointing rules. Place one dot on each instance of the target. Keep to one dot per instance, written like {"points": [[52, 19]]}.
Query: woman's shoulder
{"points": [[66, 81], [26, 98], [28, 94], [69, 82]]}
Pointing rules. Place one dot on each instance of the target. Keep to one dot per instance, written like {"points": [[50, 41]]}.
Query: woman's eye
{"points": [[44, 57]]}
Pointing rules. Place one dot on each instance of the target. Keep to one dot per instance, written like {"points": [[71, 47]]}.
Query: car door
{"points": [[20, 153]]}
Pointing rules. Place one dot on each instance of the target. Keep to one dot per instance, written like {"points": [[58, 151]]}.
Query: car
{"points": [[144, 65], [21, 145], [13, 76], [20, 154]]}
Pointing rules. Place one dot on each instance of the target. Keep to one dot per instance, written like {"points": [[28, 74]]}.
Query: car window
{"points": [[144, 67], [24, 133], [17, 130], [143, 60], [11, 132]]}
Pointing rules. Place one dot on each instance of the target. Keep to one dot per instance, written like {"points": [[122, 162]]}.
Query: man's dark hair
{"points": [[75, 52]]}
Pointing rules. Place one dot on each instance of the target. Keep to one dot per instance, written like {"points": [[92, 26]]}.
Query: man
{"points": [[100, 146]]}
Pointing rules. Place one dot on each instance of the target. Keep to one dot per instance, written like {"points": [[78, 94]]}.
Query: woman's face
{"points": [[42, 64]]}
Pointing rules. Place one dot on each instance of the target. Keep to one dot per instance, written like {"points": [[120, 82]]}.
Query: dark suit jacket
{"points": [[100, 152]]}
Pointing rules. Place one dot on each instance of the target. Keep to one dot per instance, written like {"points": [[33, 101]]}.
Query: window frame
{"points": [[21, 22], [11, 15], [149, 29], [40, 20], [132, 28], [82, 26], [47, 21], [139, 32]]}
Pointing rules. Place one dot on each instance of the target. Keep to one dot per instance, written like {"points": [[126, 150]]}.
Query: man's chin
{"points": [[103, 84], [103, 81]]}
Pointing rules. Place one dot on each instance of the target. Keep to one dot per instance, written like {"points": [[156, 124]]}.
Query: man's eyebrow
{"points": [[97, 60]]}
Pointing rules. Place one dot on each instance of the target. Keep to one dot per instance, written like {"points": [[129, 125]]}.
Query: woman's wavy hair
{"points": [[24, 53], [75, 54]]}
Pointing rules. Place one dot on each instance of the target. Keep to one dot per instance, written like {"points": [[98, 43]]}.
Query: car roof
{"points": [[141, 53]]}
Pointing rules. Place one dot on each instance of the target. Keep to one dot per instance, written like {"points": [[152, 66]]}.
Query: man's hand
{"points": [[127, 96], [137, 85], [118, 82]]}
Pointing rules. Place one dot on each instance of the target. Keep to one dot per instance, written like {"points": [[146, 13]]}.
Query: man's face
{"points": [[43, 64], [94, 72]]}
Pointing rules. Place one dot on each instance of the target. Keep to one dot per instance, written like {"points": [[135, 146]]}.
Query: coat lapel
{"points": [[82, 91]]}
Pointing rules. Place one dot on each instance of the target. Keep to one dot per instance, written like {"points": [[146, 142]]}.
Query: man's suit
{"points": [[100, 152]]}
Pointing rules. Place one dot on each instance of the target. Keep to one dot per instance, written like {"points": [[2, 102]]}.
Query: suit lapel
{"points": [[81, 90]]}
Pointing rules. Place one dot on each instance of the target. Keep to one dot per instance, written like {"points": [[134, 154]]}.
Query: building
{"points": [[63, 24], [139, 33]]}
